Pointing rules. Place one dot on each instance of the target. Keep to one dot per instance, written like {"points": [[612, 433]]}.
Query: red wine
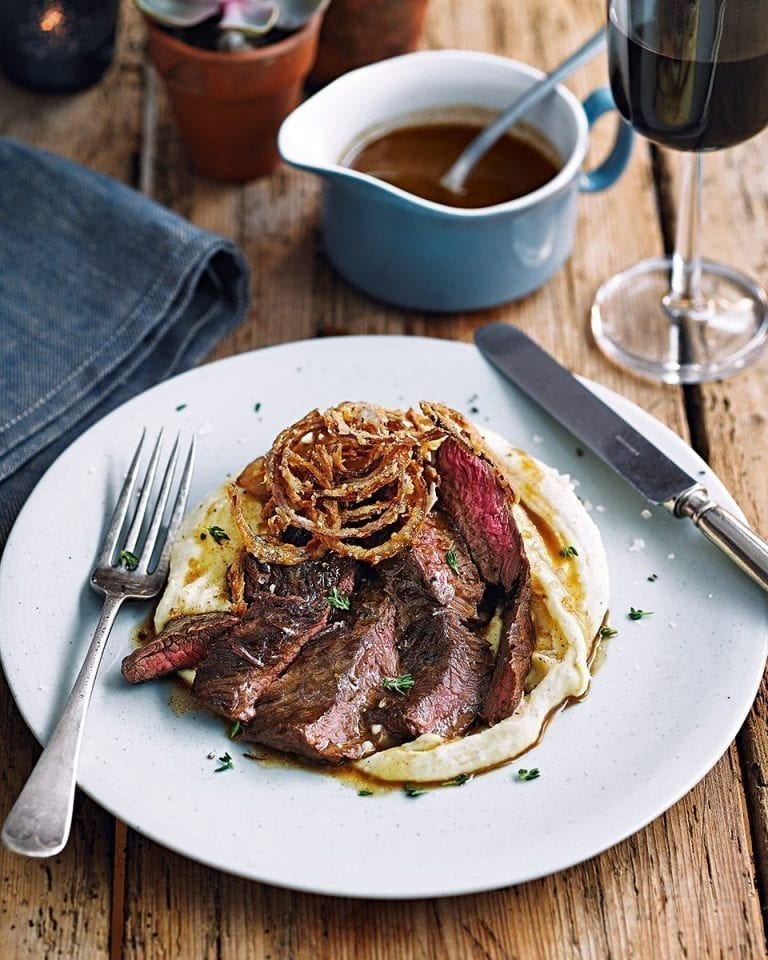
{"points": [[688, 103]]}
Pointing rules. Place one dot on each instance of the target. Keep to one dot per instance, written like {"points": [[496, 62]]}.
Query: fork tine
{"points": [[121, 508], [157, 517], [146, 489], [178, 509]]}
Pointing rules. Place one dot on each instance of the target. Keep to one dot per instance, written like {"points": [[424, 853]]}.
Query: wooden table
{"points": [[694, 883]]}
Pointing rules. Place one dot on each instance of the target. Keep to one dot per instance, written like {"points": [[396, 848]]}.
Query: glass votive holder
{"points": [[56, 46]]}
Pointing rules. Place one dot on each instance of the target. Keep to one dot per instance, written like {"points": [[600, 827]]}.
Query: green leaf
{"points": [[128, 560], [458, 781], [638, 614], [532, 774], [218, 534], [412, 791], [398, 684], [337, 600]]}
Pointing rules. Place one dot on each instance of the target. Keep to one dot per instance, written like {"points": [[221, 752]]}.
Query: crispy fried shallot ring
{"points": [[356, 479]]}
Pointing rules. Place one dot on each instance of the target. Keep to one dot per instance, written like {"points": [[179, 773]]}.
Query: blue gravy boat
{"points": [[428, 256]]}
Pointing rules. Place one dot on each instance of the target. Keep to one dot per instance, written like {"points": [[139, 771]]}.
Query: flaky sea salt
{"points": [[637, 544], [537, 438], [670, 556], [646, 514], [600, 508]]}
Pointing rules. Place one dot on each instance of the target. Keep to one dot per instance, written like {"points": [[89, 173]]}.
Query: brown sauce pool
{"points": [[415, 156], [182, 701]]}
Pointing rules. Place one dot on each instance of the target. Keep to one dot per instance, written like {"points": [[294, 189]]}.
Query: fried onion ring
{"points": [[355, 479]]}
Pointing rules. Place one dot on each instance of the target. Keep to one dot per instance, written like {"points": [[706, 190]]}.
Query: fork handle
{"points": [[40, 820]]}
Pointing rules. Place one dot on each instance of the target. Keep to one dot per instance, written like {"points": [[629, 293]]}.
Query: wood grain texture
{"points": [[731, 415], [685, 886], [57, 907]]}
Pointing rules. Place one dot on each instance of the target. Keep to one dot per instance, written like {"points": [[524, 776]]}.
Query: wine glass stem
{"points": [[684, 296]]}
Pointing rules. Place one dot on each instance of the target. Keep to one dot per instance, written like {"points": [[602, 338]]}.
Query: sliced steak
{"points": [[435, 569], [181, 645], [513, 658], [312, 580], [481, 508], [450, 667], [317, 708], [254, 652]]}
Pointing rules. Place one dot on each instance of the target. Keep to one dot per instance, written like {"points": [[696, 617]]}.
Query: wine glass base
{"points": [[724, 333]]}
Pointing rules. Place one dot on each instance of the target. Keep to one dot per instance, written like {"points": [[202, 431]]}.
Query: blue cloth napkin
{"points": [[103, 293]]}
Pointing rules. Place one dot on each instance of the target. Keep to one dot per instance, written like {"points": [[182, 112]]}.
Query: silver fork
{"points": [[40, 820]]}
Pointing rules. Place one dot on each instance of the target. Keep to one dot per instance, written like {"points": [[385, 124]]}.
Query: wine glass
{"points": [[691, 75]]}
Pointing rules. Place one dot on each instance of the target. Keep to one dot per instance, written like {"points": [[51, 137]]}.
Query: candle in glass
{"points": [[56, 45]]}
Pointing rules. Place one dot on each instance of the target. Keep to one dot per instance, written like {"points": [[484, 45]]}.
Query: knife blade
{"points": [[622, 447]]}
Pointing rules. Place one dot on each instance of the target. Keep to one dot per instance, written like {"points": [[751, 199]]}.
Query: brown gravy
{"points": [[416, 156]]}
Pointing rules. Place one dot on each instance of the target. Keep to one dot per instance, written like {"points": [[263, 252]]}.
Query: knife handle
{"points": [[727, 532]]}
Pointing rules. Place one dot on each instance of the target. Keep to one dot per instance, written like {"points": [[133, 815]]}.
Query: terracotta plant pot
{"points": [[229, 106], [357, 32]]}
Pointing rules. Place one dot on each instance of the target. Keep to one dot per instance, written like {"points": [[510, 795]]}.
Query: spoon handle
{"points": [[477, 148]]}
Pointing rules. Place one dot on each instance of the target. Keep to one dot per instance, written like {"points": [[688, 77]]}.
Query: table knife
{"points": [[619, 445]]}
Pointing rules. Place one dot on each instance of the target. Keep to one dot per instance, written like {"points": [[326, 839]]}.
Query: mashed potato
{"points": [[570, 597]]}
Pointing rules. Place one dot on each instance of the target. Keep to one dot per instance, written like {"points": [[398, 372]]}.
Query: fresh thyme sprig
{"points": [[533, 774], [337, 600], [128, 560], [398, 684]]}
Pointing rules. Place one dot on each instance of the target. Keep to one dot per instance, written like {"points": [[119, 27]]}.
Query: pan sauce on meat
{"points": [[358, 606]]}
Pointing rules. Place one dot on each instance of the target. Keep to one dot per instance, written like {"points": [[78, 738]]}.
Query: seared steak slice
{"points": [[513, 658], [481, 508], [316, 709], [435, 569], [450, 667], [253, 654], [181, 645], [312, 581]]}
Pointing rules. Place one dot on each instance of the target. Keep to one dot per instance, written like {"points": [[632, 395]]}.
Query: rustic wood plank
{"points": [[733, 429], [60, 906]]}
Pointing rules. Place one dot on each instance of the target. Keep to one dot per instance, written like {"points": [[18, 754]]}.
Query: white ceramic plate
{"points": [[670, 697]]}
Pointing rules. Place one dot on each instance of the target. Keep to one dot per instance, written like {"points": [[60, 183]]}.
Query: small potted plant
{"points": [[234, 69], [358, 32]]}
